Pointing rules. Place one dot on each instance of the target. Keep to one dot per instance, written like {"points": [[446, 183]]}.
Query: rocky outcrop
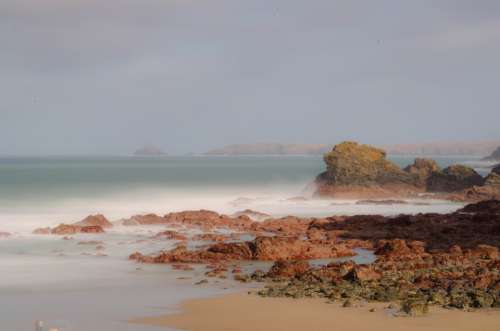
{"points": [[65, 229], [95, 220], [90, 224], [262, 249], [474, 225], [422, 170], [362, 171], [493, 179], [454, 178], [352, 164], [449, 279], [495, 156]]}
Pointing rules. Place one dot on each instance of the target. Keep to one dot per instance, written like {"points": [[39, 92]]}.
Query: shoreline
{"points": [[244, 312]]}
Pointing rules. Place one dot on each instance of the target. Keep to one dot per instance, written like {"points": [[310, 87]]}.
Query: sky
{"points": [[106, 77]]}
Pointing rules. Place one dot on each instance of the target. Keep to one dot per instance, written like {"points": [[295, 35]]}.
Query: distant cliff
{"points": [[478, 148], [271, 149]]}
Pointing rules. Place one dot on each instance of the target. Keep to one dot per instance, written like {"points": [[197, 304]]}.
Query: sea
{"points": [[74, 287]]}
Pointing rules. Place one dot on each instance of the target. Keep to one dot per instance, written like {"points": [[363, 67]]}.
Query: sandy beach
{"points": [[250, 312]]}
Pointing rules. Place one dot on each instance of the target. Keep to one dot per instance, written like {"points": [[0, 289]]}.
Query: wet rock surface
{"points": [[460, 271]]}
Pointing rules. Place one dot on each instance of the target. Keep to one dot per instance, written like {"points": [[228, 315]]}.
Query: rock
{"points": [[347, 304], [483, 207], [362, 273], [170, 235], [286, 226], [276, 248], [474, 225], [42, 231], [361, 171], [148, 219], [91, 229], [422, 170], [201, 282], [454, 178], [414, 308], [242, 278], [211, 237], [289, 269], [262, 248], [65, 229], [496, 169], [476, 194], [493, 179], [255, 215], [361, 168], [95, 220]]}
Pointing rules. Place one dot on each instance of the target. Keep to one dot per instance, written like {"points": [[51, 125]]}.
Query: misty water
{"points": [[78, 288]]}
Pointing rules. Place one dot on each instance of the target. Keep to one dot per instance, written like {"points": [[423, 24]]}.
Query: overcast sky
{"points": [[94, 76]]}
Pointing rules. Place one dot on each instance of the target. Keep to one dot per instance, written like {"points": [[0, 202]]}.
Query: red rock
{"points": [[171, 235], [210, 237], [91, 229], [64, 229], [95, 220], [363, 273], [149, 219], [42, 231], [282, 268]]}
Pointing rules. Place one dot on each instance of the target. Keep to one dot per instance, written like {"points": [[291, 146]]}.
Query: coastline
{"points": [[244, 312]]}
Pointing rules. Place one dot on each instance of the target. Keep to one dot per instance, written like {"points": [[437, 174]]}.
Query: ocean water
{"points": [[36, 191], [78, 287]]}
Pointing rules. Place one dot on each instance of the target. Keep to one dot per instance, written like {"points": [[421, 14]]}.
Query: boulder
{"points": [[454, 178], [422, 169], [284, 268]]}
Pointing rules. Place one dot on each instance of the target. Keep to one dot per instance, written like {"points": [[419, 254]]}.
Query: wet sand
{"points": [[245, 312]]}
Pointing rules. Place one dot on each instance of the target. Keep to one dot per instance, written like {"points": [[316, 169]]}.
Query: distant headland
{"points": [[475, 148]]}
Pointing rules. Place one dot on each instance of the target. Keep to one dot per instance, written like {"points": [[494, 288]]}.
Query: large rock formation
{"points": [[95, 220], [362, 171]]}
